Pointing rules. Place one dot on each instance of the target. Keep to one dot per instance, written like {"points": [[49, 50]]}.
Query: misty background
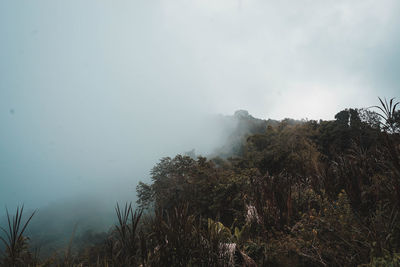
{"points": [[94, 93]]}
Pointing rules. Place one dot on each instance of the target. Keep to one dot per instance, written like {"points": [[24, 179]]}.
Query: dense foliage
{"points": [[310, 193]]}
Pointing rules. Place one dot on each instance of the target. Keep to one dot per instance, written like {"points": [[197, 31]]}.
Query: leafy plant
{"points": [[16, 244], [125, 247], [389, 115]]}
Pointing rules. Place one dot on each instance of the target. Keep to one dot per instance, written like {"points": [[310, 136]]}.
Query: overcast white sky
{"points": [[96, 91]]}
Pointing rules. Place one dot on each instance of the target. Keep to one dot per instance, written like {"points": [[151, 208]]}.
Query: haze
{"points": [[94, 93]]}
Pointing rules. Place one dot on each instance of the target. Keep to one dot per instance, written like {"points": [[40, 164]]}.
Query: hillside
{"points": [[277, 193]]}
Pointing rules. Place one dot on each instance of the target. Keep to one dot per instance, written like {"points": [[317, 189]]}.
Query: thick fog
{"points": [[94, 93]]}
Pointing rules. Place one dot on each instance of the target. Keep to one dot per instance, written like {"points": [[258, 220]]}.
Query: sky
{"points": [[93, 93]]}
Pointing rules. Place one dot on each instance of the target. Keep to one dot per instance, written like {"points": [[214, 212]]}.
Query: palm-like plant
{"points": [[391, 117], [126, 230], [389, 114], [14, 241]]}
